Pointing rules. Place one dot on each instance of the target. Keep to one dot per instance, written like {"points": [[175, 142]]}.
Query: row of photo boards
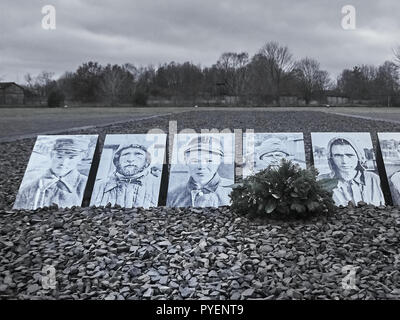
{"points": [[202, 167]]}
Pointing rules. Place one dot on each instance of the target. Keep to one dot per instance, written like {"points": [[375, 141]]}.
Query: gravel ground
{"points": [[112, 253]]}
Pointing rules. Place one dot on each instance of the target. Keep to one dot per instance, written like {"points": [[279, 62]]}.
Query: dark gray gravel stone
{"points": [[192, 253]]}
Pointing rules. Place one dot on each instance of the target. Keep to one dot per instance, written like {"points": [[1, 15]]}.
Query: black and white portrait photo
{"points": [[346, 162], [57, 171], [389, 143], [202, 170], [263, 150], [129, 172]]}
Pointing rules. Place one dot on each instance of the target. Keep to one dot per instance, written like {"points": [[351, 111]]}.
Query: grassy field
{"points": [[16, 123]]}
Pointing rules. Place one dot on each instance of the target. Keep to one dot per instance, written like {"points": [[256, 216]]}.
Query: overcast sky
{"points": [[156, 31]]}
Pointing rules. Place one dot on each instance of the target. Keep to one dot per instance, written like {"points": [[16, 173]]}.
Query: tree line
{"points": [[264, 78]]}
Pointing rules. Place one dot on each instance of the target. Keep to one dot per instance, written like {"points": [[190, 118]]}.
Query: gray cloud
{"points": [[157, 31]]}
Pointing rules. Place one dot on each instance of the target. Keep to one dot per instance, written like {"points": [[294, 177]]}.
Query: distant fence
{"points": [[268, 101], [232, 101]]}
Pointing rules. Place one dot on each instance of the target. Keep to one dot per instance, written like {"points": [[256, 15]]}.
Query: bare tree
{"points": [[279, 63], [146, 78], [131, 81], [29, 80], [242, 73], [359, 82], [86, 82], [396, 53], [386, 82], [45, 82], [310, 77], [259, 81], [233, 71], [112, 82], [42, 84], [65, 84]]}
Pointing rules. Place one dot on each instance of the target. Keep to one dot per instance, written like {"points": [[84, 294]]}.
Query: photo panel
{"points": [[57, 171], [261, 150], [389, 143], [130, 169], [202, 170], [346, 163]]}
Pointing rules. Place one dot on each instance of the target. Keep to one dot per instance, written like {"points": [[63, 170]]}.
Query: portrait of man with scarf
{"points": [[203, 156], [349, 179], [133, 183]]}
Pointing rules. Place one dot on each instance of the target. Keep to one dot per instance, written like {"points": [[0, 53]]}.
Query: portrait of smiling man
{"points": [[134, 178], [263, 150], [348, 172], [272, 152], [203, 157]]}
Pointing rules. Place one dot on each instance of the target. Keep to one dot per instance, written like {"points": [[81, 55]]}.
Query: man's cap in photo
{"points": [[71, 145], [205, 143], [272, 145]]}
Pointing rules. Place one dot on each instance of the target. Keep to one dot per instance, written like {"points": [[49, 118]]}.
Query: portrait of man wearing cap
{"points": [[203, 156], [266, 150], [352, 181], [61, 183], [133, 183], [272, 151]]}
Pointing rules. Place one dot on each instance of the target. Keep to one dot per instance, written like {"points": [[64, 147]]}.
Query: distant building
{"points": [[334, 98], [289, 100], [11, 93]]}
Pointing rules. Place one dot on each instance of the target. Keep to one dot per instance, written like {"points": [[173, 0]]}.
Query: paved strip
{"points": [[373, 118]]}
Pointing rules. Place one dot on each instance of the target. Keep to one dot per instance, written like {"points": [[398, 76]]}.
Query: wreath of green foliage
{"points": [[282, 193]]}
